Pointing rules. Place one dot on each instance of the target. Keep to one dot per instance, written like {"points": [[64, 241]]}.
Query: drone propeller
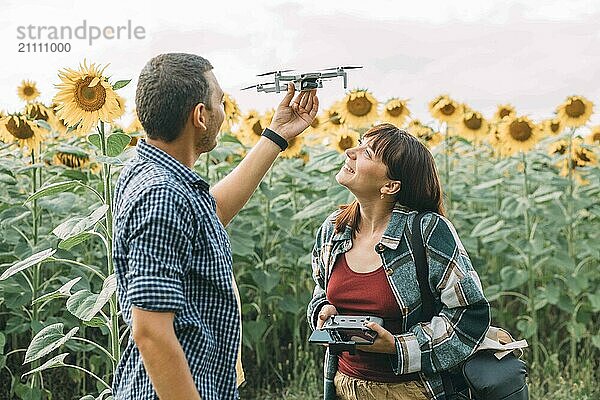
{"points": [[346, 67], [258, 84], [274, 72]]}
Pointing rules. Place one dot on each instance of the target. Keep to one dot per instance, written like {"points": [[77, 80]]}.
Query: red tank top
{"points": [[354, 293]]}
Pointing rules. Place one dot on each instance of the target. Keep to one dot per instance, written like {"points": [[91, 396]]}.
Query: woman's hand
{"points": [[384, 343], [326, 311]]}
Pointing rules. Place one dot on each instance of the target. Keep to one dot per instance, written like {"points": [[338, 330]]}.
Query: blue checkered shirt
{"points": [[172, 254]]}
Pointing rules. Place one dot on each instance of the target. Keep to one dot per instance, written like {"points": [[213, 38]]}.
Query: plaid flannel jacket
{"points": [[172, 254], [452, 335]]}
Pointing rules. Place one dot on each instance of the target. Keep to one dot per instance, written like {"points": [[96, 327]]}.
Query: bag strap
{"points": [[422, 269]]}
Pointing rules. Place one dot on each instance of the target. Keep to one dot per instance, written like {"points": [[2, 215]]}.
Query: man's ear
{"points": [[391, 187], [199, 116]]}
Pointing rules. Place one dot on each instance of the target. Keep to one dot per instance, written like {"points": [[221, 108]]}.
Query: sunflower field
{"points": [[523, 195]]}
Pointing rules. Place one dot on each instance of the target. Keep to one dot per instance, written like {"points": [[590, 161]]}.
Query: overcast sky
{"points": [[529, 53]]}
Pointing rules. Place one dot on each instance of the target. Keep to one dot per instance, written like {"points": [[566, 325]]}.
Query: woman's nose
{"points": [[350, 153]]}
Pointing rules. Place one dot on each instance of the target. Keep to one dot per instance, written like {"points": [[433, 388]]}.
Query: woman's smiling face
{"points": [[363, 172]]}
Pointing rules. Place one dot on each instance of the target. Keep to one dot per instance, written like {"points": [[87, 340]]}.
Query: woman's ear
{"points": [[391, 187], [199, 116]]}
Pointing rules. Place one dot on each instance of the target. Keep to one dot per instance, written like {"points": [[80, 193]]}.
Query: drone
{"points": [[303, 81]]}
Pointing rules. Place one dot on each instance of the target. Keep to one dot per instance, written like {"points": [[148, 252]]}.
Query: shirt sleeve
{"points": [[159, 250], [319, 298], [454, 333]]}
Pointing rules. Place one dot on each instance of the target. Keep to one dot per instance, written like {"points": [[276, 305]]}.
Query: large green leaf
{"points": [[74, 240], [54, 362], [77, 225], [96, 140], [28, 262], [512, 277], [120, 84], [47, 340], [85, 304], [116, 143], [266, 280], [64, 290], [53, 188]]}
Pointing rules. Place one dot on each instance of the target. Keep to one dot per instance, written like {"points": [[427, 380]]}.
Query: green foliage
{"points": [[531, 233]]}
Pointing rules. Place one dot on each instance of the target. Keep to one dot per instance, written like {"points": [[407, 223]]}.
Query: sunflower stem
{"points": [[571, 244], [114, 316], [529, 264], [35, 279]]}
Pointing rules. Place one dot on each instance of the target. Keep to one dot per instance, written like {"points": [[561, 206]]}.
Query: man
{"points": [[171, 252]]}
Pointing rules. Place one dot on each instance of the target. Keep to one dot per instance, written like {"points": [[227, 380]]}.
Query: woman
{"points": [[363, 264]]}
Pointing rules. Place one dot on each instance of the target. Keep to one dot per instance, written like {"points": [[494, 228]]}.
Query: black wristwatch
{"points": [[275, 138]]}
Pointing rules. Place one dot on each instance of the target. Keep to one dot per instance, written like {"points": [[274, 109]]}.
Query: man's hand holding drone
{"points": [[293, 117]]}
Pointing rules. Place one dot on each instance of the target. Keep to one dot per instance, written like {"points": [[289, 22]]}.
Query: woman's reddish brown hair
{"points": [[408, 161]]}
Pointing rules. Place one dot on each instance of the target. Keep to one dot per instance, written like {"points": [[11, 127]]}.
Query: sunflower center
{"points": [[448, 109], [520, 131], [561, 149], [596, 137], [28, 91], [257, 128], [20, 131], [504, 112], [334, 118], [396, 111], [345, 142], [89, 98], [575, 109], [36, 112], [554, 126], [582, 156], [359, 106], [474, 122]]}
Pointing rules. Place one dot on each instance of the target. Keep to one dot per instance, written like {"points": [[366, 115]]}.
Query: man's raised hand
{"points": [[293, 117]]}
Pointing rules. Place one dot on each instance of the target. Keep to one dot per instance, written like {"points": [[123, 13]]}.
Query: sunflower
{"points": [[38, 111], [584, 157], [333, 121], [18, 129], [445, 109], [520, 134], [253, 125], [472, 126], [496, 142], [575, 111], [121, 101], [85, 96], [345, 139], [395, 111], [552, 127], [505, 111], [358, 108], [28, 91], [232, 113], [427, 135], [558, 148], [294, 147], [71, 157], [594, 136], [580, 157]]}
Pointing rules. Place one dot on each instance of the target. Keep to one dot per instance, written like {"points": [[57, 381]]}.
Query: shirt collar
{"points": [[151, 153], [393, 233]]}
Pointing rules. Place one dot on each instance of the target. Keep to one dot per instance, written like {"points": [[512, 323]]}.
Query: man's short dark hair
{"points": [[169, 87]]}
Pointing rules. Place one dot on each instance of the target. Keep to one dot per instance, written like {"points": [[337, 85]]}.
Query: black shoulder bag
{"points": [[482, 376]]}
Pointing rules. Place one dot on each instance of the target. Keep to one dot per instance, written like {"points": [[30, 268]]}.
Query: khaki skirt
{"points": [[348, 388]]}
